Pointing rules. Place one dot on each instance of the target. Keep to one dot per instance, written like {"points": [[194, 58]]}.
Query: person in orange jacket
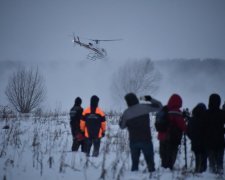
{"points": [[93, 124]]}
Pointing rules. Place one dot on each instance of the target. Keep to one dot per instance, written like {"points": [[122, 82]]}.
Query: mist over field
{"points": [[193, 79]]}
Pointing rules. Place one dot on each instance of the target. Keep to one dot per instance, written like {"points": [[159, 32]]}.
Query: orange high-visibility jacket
{"points": [[93, 124]]}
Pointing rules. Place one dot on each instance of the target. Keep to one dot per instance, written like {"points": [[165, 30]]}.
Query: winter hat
{"points": [[131, 99], [78, 101], [214, 101]]}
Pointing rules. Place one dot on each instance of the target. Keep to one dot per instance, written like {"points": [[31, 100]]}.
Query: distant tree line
{"points": [[194, 76]]}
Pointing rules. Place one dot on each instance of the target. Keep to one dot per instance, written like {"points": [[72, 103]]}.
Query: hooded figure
{"points": [[93, 124], [214, 102], [171, 138], [131, 99], [195, 132], [136, 119], [214, 133], [78, 101], [174, 104], [214, 125], [75, 116]]}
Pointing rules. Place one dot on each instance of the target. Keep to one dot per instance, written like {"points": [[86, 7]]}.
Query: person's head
{"points": [[174, 101], [94, 101], [214, 101], [78, 101], [131, 99], [199, 109]]}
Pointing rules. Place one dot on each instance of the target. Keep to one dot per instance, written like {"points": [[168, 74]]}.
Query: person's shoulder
{"points": [[87, 110], [127, 111], [175, 114], [100, 111], [79, 107], [175, 110], [222, 112], [144, 105], [99, 108], [76, 108]]}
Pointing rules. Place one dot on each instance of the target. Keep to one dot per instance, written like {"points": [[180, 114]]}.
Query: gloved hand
{"points": [[148, 98], [80, 136]]}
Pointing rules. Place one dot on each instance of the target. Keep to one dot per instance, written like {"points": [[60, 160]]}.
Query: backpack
{"points": [[162, 124], [162, 120]]}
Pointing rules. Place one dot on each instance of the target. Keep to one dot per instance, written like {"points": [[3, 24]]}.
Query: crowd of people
{"points": [[204, 126]]}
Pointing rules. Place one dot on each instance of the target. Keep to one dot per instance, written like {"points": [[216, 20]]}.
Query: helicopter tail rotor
{"points": [[76, 40]]}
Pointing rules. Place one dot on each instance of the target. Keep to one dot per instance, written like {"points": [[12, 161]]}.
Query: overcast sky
{"points": [[38, 31]]}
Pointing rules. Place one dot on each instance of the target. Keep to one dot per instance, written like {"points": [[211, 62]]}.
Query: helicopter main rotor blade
{"points": [[98, 40]]}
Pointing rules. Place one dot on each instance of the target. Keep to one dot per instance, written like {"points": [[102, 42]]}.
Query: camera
{"points": [[145, 98], [142, 98]]}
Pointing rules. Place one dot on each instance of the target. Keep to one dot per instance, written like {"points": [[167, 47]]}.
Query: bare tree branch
{"points": [[139, 77], [26, 90]]}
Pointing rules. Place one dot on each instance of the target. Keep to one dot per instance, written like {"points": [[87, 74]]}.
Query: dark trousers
{"points": [[76, 144], [147, 149], [200, 162], [216, 160], [168, 154], [96, 143]]}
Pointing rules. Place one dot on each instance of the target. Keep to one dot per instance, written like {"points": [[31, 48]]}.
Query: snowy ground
{"points": [[38, 148]]}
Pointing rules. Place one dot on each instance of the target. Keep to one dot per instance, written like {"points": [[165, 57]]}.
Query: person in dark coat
{"points": [[214, 134], [223, 107], [93, 124], [75, 116], [171, 138], [136, 119], [195, 132]]}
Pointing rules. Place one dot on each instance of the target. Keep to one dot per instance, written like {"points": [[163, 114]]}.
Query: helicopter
{"points": [[95, 51]]}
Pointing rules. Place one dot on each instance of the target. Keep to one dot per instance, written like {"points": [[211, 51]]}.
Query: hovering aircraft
{"points": [[95, 51]]}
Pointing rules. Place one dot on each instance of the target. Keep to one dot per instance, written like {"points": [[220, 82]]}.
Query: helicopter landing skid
{"points": [[95, 56]]}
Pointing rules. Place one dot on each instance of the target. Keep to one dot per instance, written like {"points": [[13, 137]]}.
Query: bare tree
{"points": [[25, 90], [139, 77]]}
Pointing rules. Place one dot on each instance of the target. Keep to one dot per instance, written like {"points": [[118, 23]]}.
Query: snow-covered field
{"points": [[39, 148]]}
